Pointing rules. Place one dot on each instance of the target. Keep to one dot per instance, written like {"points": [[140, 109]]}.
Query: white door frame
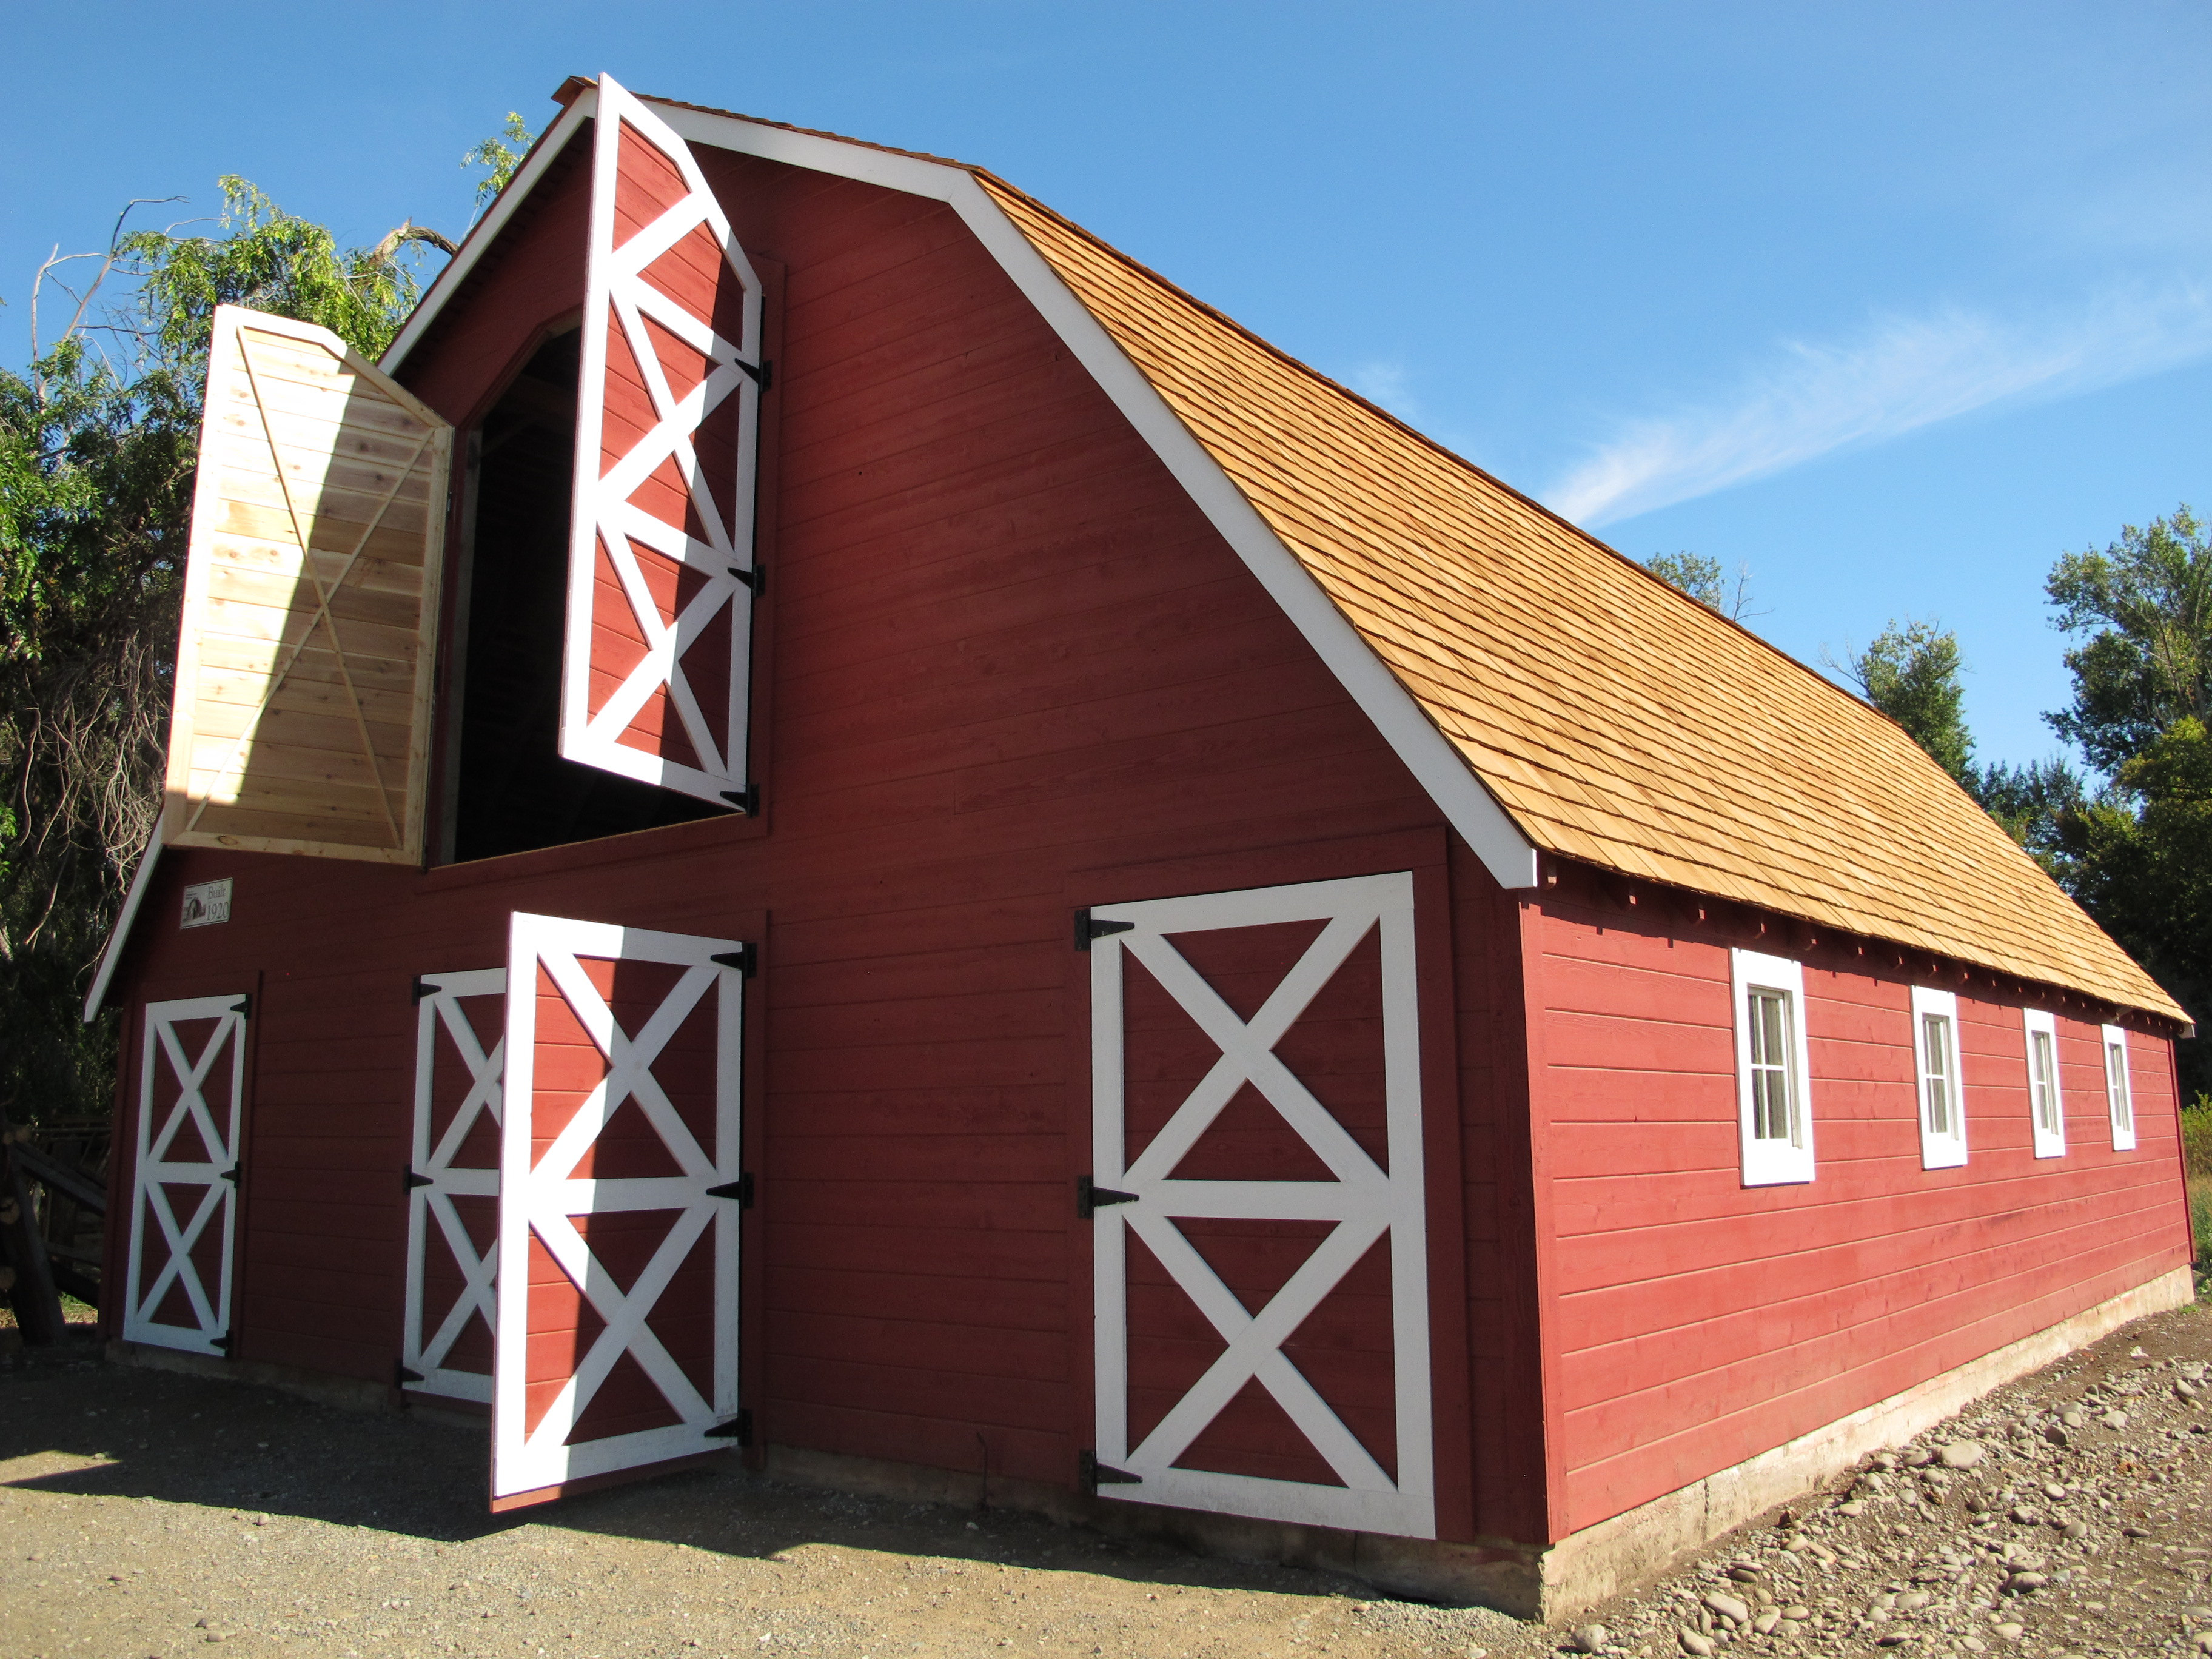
{"points": [[218, 1124], [1365, 1202], [540, 1197], [435, 1180]]}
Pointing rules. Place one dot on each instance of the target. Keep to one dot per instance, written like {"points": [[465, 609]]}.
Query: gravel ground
{"points": [[143, 1514]]}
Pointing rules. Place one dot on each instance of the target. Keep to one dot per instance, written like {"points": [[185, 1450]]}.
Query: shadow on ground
{"points": [[109, 1430]]}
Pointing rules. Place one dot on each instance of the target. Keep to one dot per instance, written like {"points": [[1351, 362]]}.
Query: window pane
{"points": [[2115, 1073], [2047, 1085], [1935, 1041]]}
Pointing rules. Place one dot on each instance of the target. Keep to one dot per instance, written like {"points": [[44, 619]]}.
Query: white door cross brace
{"points": [[436, 1180], [541, 1195], [607, 522], [1362, 1202], [162, 1262]]}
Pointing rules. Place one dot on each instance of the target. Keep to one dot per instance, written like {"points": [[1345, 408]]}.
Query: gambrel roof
{"points": [[1552, 696]]}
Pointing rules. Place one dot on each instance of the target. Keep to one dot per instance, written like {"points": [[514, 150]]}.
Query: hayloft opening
{"points": [[509, 790]]}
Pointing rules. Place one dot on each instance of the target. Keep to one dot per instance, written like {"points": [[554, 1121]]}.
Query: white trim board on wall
{"points": [[1459, 794]]}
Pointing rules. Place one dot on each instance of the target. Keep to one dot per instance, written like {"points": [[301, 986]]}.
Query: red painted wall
{"points": [[1698, 1322], [1000, 652]]}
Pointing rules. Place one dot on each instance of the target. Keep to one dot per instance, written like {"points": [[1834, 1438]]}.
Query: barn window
{"points": [[2117, 1090], [508, 788], [2047, 1105], [1935, 1060], [1774, 1110]]}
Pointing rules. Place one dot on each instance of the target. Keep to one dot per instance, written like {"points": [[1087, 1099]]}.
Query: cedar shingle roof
{"points": [[1615, 720]]}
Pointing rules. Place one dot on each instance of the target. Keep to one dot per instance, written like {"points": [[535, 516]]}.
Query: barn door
{"points": [[184, 1193], [453, 1181], [620, 1188], [300, 722], [660, 559], [1261, 1299]]}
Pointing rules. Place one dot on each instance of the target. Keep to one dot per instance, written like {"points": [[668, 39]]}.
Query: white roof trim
{"points": [[1441, 769], [120, 935]]}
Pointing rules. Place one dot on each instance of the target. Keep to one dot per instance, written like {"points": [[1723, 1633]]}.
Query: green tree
{"points": [[499, 156], [1912, 674], [2145, 606], [98, 443], [1704, 581]]}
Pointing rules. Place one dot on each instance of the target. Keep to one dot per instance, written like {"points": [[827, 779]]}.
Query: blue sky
{"points": [[1891, 303]]}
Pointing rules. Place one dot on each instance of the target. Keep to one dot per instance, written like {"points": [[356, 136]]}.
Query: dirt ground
{"points": [[145, 1515]]}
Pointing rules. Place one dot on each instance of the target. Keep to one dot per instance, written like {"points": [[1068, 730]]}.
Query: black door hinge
{"points": [[741, 1190], [421, 988], [755, 578], [401, 1376], [745, 959], [1094, 1475], [229, 1174], [763, 372], [738, 1428], [1090, 1199], [746, 801], [244, 1006], [222, 1342], [1086, 929], [414, 1181]]}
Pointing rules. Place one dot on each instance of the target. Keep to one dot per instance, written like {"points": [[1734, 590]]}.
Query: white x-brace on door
{"points": [[620, 1186], [184, 1195], [453, 1181], [1340, 1243]]}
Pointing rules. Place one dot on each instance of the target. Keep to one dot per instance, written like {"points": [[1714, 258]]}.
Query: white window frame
{"points": [[2050, 1140], [2119, 1102], [1771, 1162], [1945, 1147]]}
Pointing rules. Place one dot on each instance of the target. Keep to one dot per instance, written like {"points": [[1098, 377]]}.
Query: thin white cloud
{"points": [[1387, 382], [1902, 374]]}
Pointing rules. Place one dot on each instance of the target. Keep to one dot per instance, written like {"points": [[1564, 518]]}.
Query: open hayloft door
{"points": [[183, 1189], [620, 1188], [654, 670], [1260, 1298], [300, 722], [453, 1184]]}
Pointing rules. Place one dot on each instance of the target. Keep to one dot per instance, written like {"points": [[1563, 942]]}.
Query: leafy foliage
{"points": [[97, 455], [500, 155], [2030, 803], [1912, 674], [1704, 581], [2146, 604]]}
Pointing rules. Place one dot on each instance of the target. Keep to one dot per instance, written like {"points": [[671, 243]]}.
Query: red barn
{"points": [[827, 819]]}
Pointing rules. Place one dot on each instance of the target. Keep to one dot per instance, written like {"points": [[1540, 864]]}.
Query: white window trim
{"points": [[2124, 1137], [2049, 1143], [1767, 1162], [1944, 1150]]}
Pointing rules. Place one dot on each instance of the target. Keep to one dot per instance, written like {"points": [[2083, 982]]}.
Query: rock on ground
{"points": [[148, 1514]]}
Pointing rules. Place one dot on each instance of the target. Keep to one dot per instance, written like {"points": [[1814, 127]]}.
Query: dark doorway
{"points": [[512, 792]]}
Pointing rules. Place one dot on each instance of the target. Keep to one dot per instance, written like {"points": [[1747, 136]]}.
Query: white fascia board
{"points": [[486, 229], [1442, 771], [120, 935]]}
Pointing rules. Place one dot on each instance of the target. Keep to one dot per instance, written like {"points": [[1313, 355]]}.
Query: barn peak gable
{"points": [[1457, 790]]}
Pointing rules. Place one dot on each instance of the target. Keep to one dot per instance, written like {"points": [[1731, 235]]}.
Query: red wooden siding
{"points": [[998, 648], [1700, 1322]]}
